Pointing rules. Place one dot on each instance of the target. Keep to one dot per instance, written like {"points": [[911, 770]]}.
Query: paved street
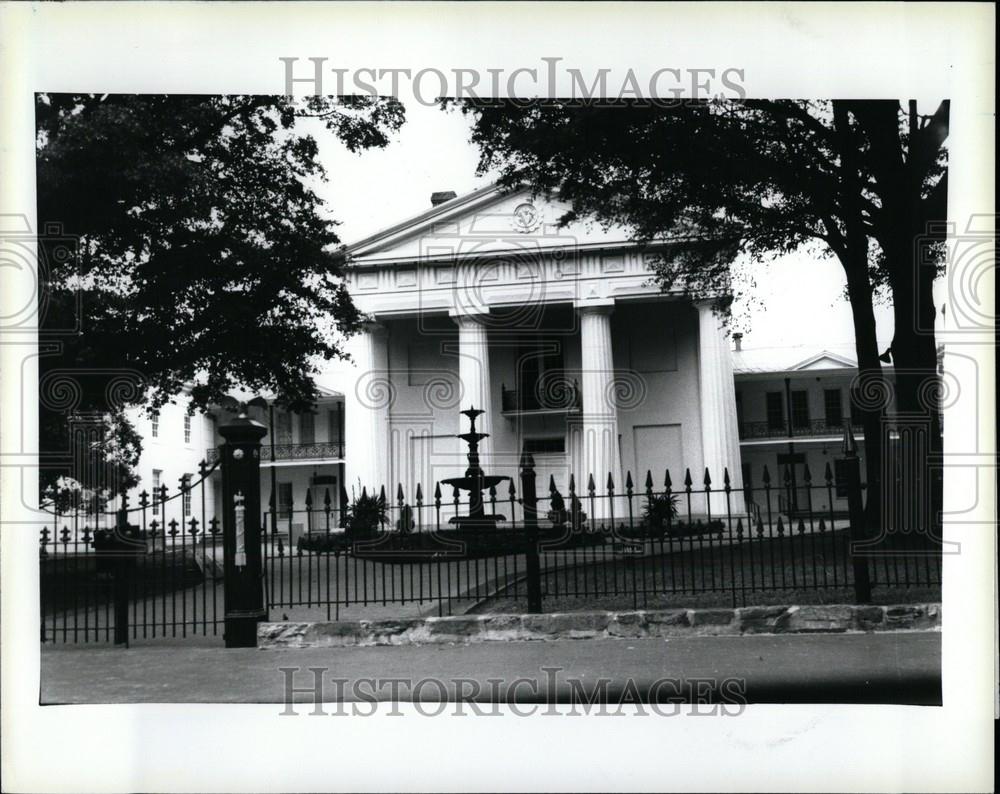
{"points": [[874, 668]]}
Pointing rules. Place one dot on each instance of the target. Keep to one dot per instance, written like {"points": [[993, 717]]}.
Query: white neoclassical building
{"points": [[557, 333]]}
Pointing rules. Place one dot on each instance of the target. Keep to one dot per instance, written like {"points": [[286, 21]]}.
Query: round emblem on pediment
{"points": [[525, 218]]}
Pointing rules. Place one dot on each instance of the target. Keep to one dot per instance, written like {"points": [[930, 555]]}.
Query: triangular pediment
{"points": [[825, 360], [483, 223]]}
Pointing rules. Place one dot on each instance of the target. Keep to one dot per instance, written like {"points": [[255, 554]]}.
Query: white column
{"points": [[474, 375], [719, 429], [599, 444], [367, 406]]}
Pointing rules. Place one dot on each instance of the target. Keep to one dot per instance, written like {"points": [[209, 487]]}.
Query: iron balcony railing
{"points": [[322, 450], [814, 427], [554, 395]]}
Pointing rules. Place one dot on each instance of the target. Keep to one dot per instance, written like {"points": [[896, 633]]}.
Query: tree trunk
{"points": [[871, 384], [915, 361], [904, 231], [853, 254]]}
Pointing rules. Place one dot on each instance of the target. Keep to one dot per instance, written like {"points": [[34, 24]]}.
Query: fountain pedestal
{"points": [[475, 481]]}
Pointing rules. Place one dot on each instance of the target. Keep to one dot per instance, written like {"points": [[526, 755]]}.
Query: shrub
{"points": [[321, 542], [365, 516], [560, 516], [660, 512]]}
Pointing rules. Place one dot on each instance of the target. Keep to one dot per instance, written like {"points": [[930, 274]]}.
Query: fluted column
{"points": [[599, 442], [367, 408], [719, 428], [474, 375]]}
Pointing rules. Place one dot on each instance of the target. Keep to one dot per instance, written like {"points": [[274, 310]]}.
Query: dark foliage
{"points": [[183, 245]]}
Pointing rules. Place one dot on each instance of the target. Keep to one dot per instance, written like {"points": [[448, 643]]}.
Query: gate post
{"points": [[243, 584], [120, 573], [529, 501], [856, 510]]}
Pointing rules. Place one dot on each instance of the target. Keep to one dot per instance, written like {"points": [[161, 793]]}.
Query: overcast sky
{"points": [[797, 300]]}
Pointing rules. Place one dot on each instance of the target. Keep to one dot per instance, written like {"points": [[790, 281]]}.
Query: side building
{"points": [[792, 405], [302, 464]]}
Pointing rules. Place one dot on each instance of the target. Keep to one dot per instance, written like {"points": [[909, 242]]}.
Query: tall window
{"points": [[334, 418], [833, 407], [283, 429], [157, 482], [541, 382], [739, 409], [186, 498], [800, 409], [155, 424], [307, 428], [775, 410], [187, 428], [284, 504]]}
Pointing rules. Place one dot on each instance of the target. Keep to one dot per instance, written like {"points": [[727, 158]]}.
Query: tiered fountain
{"points": [[475, 481]]}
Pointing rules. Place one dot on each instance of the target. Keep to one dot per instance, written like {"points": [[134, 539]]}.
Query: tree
{"points": [[865, 180], [198, 254]]}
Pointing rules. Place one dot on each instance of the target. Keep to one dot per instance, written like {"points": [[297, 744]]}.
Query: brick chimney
{"points": [[441, 196], [738, 341]]}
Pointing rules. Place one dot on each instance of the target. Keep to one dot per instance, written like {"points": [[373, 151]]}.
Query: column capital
{"points": [[373, 327], [595, 306]]}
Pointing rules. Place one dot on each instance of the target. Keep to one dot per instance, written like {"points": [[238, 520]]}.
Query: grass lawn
{"points": [[794, 570]]}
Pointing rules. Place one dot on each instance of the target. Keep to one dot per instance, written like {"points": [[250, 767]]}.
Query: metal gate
{"points": [[146, 572]]}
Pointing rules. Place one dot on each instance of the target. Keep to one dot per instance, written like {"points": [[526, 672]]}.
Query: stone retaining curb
{"points": [[825, 618]]}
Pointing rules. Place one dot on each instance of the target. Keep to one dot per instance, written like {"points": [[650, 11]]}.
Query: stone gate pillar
{"points": [[241, 531]]}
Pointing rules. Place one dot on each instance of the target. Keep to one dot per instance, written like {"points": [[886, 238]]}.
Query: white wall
{"points": [[169, 452]]}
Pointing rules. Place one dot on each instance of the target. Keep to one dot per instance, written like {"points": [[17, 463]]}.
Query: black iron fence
{"points": [[149, 571], [156, 570], [644, 544]]}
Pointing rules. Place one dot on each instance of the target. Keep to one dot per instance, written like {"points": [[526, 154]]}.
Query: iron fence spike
{"points": [[850, 446]]}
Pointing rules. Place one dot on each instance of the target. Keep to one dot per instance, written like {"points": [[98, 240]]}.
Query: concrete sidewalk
{"points": [[895, 667]]}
